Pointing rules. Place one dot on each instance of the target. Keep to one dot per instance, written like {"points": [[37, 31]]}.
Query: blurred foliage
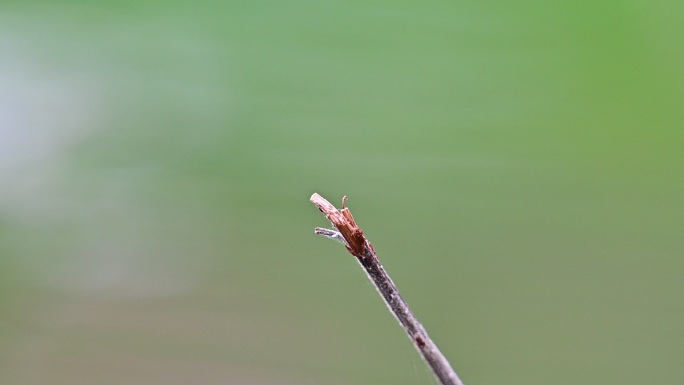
{"points": [[518, 166]]}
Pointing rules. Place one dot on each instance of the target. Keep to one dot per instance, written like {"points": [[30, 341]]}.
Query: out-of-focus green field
{"points": [[519, 167]]}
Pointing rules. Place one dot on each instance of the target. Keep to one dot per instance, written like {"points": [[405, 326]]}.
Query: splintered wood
{"points": [[344, 222]]}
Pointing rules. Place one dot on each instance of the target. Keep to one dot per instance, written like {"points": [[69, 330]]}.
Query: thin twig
{"points": [[346, 231]]}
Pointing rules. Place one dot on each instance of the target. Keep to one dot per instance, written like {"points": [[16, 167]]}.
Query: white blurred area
{"points": [[84, 229], [101, 236]]}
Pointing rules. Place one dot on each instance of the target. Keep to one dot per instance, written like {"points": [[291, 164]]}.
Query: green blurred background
{"points": [[518, 166]]}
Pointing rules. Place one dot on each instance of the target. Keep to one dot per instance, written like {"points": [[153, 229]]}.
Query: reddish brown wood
{"points": [[344, 223]]}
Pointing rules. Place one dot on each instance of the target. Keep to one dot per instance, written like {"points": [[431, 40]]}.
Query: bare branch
{"points": [[350, 235]]}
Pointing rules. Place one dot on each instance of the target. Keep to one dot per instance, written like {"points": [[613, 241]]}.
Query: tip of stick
{"points": [[343, 222]]}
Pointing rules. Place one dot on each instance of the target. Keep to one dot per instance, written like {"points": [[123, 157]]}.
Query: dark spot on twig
{"points": [[419, 341]]}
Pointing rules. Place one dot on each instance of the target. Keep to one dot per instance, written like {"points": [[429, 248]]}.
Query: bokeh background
{"points": [[518, 166]]}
